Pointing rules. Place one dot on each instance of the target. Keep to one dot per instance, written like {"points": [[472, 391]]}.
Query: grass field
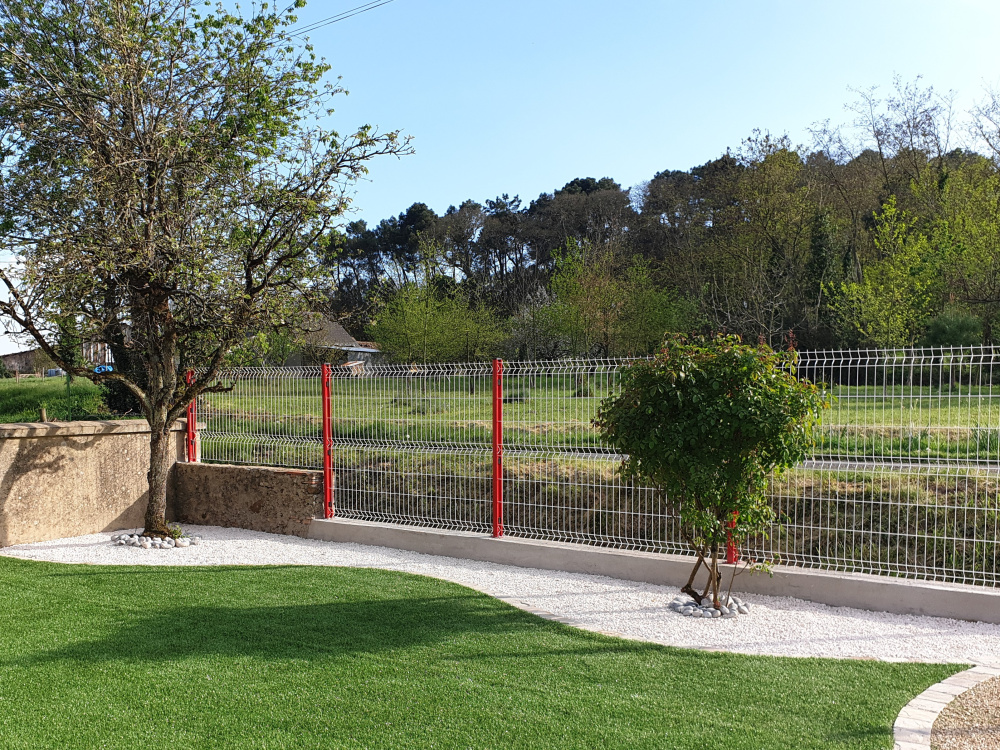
{"points": [[297, 657], [557, 413], [540, 413], [20, 401]]}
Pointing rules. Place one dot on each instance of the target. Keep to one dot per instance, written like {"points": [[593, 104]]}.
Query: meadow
{"points": [[22, 400], [556, 413]]}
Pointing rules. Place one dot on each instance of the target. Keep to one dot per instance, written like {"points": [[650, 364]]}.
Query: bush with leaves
{"points": [[707, 422]]}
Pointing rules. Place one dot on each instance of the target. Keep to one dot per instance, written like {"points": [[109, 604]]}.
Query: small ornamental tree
{"points": [[708, 421]]}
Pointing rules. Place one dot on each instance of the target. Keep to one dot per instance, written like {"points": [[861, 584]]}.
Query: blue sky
{"points": [[521, 97]]}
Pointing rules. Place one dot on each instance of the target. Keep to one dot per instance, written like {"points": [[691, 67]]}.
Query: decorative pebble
{"points": [[138, 541], [729, 606]]}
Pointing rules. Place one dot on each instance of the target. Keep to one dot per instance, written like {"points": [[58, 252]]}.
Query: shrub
{"points": [[708, 421]]}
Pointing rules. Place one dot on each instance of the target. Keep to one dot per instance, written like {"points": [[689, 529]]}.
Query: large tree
{"points": [[166, 178]]}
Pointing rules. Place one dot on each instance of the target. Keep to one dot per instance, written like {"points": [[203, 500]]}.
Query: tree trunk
{"points": [[159, 469]]}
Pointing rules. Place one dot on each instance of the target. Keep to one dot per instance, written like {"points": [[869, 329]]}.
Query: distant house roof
{"points": [[329, 334]]}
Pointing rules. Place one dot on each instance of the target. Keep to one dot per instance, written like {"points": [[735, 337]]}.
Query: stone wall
{"points": [[74, 478], [280, 501]]}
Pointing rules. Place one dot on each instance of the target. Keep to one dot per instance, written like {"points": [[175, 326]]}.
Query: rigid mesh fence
{"points": [[902, 481]]}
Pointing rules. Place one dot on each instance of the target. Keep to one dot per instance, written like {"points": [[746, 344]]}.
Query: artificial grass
{"points": [[319, 657]]}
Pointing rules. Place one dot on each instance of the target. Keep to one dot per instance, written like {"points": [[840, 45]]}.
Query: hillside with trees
{"points": [[884, 232]]}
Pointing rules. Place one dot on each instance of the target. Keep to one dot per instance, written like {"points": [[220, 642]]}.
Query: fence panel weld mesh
{"points": [[903, 478]]}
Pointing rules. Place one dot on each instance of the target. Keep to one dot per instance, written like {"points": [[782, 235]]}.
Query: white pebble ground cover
{"points": [[775, 626]]}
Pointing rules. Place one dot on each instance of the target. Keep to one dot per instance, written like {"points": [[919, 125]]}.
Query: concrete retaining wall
{"points": [[876, 593], [74, 478], [280, 501]]}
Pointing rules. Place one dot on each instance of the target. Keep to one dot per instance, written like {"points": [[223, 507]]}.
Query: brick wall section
{"points": [[72, 478], [280, 501]]}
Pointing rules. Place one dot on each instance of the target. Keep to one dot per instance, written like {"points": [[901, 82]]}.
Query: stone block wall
{"points": [[280, 501], [68, 479]]}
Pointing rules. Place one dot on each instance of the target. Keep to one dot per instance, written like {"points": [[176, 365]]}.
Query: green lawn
{"points": [[20, 401], [301, 657]]}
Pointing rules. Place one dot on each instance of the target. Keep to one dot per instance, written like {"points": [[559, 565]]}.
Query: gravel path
{"points": [[971, 721], [776, 626]]}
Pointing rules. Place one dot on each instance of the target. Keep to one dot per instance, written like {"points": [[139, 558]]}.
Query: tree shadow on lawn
{"points": [[257, 625]]}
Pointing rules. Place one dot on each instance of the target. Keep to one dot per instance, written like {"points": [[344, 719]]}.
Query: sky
{"points": [[522, 96]]}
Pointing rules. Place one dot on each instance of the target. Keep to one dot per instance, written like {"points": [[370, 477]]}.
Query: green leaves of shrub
{"points": [[707, 421]]}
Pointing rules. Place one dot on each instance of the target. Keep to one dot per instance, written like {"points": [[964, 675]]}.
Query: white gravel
{"points": [[777, 626]]}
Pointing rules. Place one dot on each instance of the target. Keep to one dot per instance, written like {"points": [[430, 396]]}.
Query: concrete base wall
{"points": [[280, 501], [74, 478], [875, 593]]}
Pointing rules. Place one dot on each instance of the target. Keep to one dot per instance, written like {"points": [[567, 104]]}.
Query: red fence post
{"points": [[192, 423], [327, 444], [732, 556], [497, 447]]}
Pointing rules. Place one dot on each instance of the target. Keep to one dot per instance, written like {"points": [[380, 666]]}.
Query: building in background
{"points": [[36, 362]]}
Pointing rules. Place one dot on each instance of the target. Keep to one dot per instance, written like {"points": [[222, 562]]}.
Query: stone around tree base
{"points": [[148, 542], [728, 608]]}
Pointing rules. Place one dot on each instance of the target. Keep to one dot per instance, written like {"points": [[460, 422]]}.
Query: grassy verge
{"points": [[20, 401], [918, 423], [293, 657]]}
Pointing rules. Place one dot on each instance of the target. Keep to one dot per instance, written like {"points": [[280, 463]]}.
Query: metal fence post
{"points": [[497, 447], [192, 423], [327, 374], [732, 556]]}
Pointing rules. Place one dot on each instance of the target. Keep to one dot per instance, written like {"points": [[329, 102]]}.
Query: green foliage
{"points": [[170, 171], [435, 322], [708, 421], [891, 305], [953, 328], [4, 372], [606, 306]]}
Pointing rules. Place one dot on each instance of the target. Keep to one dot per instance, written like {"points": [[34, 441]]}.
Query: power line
{"points": [[339, 17]]}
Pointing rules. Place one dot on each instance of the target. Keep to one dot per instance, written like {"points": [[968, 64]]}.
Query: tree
{"points": [[892, 303], [166, 181], [436, 322], [607, 306], [708, 421]]}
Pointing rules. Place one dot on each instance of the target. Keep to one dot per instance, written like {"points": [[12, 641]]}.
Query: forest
{"points": [[883, 232]]}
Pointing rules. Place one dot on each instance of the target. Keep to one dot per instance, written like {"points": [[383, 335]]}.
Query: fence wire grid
{"points": [[903, 479]]}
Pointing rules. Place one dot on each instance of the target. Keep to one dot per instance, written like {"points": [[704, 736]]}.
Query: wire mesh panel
{"points": [[904, 407], [919, 522], [581, 498], [447, 489], [271, 417], [903, 479], [412, 444], [560, 481]]}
